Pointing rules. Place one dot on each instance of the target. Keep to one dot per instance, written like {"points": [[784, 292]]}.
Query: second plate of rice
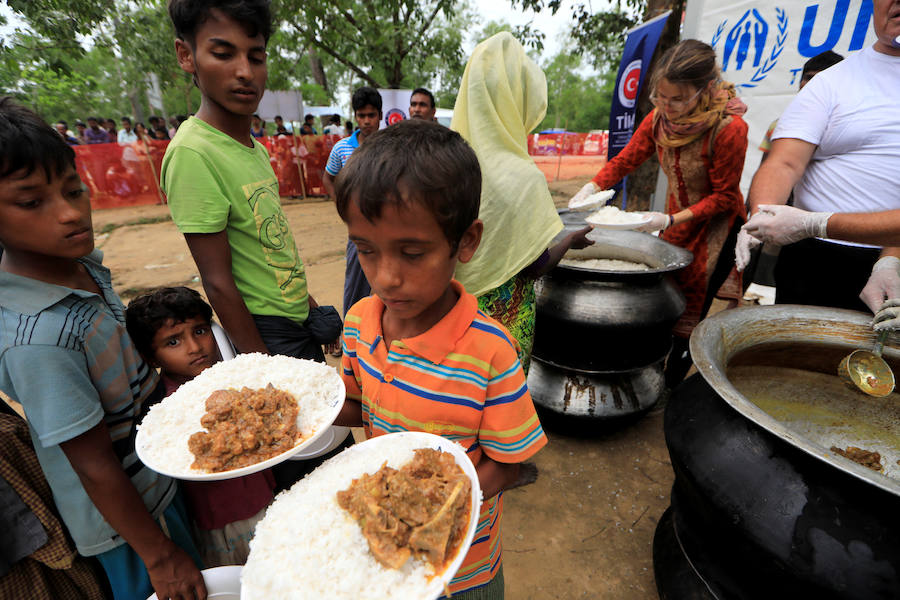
{"points": [[308, 547], [162, 438]]}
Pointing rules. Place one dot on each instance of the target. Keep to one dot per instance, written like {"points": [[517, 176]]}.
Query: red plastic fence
{"points": [[568, 143], [128, 174]]}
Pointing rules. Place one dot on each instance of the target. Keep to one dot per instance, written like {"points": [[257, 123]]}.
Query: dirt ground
{"points": [[583, 530]]}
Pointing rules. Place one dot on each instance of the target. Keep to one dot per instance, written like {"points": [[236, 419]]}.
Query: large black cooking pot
{"points": [[761, 508], [595, 320]]}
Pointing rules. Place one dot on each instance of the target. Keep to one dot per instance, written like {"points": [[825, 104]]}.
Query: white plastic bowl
{"points": [[222, 583]]}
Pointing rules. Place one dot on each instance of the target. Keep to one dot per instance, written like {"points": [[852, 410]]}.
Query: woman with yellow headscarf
{"points": [[502, 98], [697, 132]]}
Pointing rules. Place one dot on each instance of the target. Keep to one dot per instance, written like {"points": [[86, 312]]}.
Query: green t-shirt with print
{"points": [[214, 183]]}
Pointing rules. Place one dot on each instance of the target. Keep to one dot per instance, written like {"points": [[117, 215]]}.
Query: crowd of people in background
{"points": [[104, 131], [97, 130]]}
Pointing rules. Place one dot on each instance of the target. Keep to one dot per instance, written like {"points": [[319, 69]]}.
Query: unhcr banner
{"points": [[762, 45], [639, 47]]}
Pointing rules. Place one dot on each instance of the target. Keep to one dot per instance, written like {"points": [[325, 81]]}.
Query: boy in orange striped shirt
{"points": [[418, 354]]}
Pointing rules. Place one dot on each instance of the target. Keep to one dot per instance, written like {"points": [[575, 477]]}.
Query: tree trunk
{"points": [[318, 72], [642, 181], [136, 106]]}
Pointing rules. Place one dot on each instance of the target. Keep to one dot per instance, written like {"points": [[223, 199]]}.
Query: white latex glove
{"points": [[589, 188], [658, 222], [884, 283], [888, 316], [745, 245], [782, 225]]}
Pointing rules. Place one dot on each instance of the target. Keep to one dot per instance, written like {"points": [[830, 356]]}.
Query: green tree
{"points": [[576, 102], [385, 43], [123, 43]]}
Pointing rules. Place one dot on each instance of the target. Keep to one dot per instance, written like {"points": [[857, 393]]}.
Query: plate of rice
{"points": [[309, 547], [164, 438], [610, 217]]}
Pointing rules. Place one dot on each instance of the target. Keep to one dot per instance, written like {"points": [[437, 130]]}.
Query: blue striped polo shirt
{"points": [[340, 153], [65, 355]]}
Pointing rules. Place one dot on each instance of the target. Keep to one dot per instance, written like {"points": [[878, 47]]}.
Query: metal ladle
{"points": [[867, 371]]}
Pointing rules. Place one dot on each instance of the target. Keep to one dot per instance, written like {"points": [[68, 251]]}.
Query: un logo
{"points": [[747, 46]]}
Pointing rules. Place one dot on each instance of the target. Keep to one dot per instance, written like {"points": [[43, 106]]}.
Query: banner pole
{"points": [[159, 193]]}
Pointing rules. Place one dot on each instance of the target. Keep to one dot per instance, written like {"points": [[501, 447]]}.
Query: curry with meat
{"points": [[244, 427], [866, 458], [422, 509]]}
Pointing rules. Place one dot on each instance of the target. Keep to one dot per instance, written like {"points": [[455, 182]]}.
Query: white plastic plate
{"points": [[334, 401], [434, 587]]}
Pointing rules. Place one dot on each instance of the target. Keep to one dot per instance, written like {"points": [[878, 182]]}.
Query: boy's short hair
{"points": [[148, 312], [820, 62], [414, 161], [425, 92], [28, 142], [366, 96], [188, 15], [95, 119], [126, 119]]}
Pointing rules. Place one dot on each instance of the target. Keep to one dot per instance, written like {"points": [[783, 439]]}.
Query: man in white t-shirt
{"points": [[126, 134], [838, 147]]}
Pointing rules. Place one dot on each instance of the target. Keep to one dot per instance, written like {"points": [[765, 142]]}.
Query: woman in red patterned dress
{"points": [[698, 135]]}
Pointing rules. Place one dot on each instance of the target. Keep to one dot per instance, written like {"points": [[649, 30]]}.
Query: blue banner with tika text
{"points": [[639, 47]]}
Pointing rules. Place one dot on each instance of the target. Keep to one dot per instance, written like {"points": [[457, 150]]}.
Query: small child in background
{"points": [[172, 328], [418, 354]]}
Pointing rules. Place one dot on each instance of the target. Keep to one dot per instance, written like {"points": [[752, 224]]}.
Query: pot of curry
{"points": [[787, 482]]}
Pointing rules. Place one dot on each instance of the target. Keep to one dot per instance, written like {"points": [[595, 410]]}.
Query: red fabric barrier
{"points": [[568, 143], [125, 175], [128, 174]]}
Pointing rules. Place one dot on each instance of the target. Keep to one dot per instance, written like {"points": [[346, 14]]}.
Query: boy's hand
{"points": [[494, 477], [579, 239], [333, 348], [174, 576]]}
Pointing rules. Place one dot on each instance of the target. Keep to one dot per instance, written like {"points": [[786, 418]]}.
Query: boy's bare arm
{"points": [[172, 572], [328, 183], [494, 477], [350, 415], [212, 253]]}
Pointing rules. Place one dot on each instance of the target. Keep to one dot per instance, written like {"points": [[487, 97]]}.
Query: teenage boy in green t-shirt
{"points": [[222, 191]]}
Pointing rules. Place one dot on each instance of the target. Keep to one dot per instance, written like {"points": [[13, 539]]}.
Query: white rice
{"points": [[610, 215], [168, 425], [605, 264], [601, 197], [308, 547]]}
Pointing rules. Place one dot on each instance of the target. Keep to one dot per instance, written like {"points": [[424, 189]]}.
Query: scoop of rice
{"points": [[604, 264], [610, 215], [308, 547], [164, 432], [601, 197]]}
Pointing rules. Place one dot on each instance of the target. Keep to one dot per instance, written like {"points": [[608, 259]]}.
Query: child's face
{"points": [[45, 219], [408, 260], [368, 118], [184, 350], [230, 68]]}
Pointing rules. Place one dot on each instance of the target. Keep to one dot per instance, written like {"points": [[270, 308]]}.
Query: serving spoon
{"points": [[867, 371]]}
